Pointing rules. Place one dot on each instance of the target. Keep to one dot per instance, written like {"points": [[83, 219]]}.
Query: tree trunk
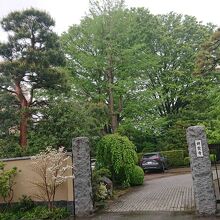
{"points": [[113, 116], [24, 115], [23, 126], [112, 113]]}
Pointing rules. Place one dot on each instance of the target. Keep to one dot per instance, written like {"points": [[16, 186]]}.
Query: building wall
{"points": [[24, 181]]}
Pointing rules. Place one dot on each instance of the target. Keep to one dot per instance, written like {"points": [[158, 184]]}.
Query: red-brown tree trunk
{"points": [[23, 117], [23, 125]]}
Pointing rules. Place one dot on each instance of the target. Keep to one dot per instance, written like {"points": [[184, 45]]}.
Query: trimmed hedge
{"points": [[136, 176], [212, 157], [187, 161], [175, 158]]}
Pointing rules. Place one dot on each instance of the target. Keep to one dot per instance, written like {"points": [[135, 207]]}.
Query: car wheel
{"points": [[163, 168]]}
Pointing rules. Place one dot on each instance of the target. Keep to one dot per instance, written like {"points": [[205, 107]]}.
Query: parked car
{"points": [[153, 161]]}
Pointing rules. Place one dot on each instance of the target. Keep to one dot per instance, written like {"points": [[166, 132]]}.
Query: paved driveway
{"points": [[173, 193]]}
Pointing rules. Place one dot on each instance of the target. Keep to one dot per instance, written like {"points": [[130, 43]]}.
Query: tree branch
{"points": [[7, 90]]}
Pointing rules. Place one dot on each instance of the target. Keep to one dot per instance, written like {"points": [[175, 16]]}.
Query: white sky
{"points": [[68, 12]]}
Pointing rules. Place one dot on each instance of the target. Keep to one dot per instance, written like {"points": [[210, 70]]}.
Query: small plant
{"points": [[51, 165], [7, 181], [25, 203], [100, 190], [137, 176]]}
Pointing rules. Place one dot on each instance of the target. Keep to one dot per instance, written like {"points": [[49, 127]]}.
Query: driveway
{"points": [[169, 193], [167, 196]]}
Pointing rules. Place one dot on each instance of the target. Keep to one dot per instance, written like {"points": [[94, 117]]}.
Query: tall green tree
{"points": [[29, 63], [168, 86], [102, 54], [207, 67], [209, 57]]}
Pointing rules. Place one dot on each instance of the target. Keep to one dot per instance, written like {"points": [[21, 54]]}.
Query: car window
{"points": [[149, 155]]}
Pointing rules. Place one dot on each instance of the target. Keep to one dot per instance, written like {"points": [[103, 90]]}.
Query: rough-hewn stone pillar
{"points": [[82, 181], [201, 171]]}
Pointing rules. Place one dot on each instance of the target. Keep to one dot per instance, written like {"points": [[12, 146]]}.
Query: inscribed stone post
{"points": [[82, 181], [201, 171]]}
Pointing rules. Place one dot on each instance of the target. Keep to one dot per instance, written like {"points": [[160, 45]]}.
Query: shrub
{"points": [[25, 203], [35, 213], [139, 155], [52, 169], [212, 157], [148, 149], [137, 176], [186, 161], [175, 158], [100, 192], [117, 153], [41, 212], [7, 181]]}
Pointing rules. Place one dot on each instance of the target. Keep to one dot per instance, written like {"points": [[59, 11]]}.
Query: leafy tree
{"points": [[53, 169], [103, 55], [63, 120], [30, 60], [8, 129], [207, 67], [209, 57], [168, 88]]}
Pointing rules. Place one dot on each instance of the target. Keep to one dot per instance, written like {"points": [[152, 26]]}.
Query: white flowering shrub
{"points": [[102, 192], [51, 166]]}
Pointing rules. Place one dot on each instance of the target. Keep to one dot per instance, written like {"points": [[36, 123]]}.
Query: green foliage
{"points": [[106, 71], [137, 176], [7, 181], [29, 67], [140, 155], [100, 192], [25, 203], [9, 148], [64, 120], [212, 157], [43, 213], [118, 154], [175, 157], [148, 149], [35, 213], [208, 57], [143, 140], [187, 161], [101, 172]]}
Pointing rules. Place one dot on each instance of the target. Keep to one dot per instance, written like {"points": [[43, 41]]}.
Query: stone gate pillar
{"points": [[201, 171], [82, 180]]}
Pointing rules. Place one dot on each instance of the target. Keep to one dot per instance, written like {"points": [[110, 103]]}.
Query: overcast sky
{"points": [[68, 12]]}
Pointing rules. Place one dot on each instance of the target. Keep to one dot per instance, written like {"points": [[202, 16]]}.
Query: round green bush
{"points": [[136, 176]]}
